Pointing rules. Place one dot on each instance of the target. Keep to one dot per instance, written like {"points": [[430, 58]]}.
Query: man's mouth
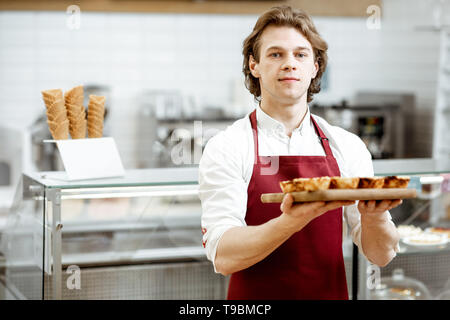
{"points": [[289, 79]]}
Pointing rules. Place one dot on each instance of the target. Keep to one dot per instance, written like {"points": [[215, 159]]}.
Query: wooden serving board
{"points": [[342, 194]]}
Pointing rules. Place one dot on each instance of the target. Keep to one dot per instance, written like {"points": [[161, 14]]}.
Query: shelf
{"points": [[351, 8], [117, 226], [133, 257], [132, 178], [413, 166]]}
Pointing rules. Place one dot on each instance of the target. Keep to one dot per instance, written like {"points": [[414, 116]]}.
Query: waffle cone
{"points": [[96, 111], [52, 125], [94, 133], [97, 99], [49, 103], [76, 116], [74, 95], [78, 131], [98, 128], [95, 127], [96, 106], [95, 124], [94, 118], [52, 94], [78, 123], [74, 107], [57, 117], [61, 132], [56, 108]]}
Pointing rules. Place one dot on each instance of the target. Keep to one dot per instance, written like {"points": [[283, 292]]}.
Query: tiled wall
{"points": [[200, 55]]}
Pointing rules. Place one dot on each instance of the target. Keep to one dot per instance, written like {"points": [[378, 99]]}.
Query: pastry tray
{"points": [[342, 194]]}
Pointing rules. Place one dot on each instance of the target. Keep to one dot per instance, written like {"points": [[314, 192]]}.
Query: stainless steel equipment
{"points": [[383, 121], [380, 127], [171, 133]]}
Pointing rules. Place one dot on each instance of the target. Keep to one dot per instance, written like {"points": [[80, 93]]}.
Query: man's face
{"points": [[286, 65]]}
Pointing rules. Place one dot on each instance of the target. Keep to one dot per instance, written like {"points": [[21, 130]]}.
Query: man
{"points": [[292, 251]]}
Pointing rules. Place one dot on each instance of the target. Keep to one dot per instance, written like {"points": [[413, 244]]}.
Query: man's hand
{"points": [[379, 236], [373, 209], [307, 211]]}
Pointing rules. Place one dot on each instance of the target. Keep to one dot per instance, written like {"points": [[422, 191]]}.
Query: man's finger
{"points": [[315, 205], [395, 203], [286, 204], [331, 205], [384, 205]]}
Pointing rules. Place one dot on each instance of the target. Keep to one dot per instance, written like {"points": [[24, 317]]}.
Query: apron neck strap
{"points": [[255, 133], [323, 139]]}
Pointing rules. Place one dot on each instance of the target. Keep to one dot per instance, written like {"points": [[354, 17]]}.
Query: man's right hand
{"points": [[301, 214]]}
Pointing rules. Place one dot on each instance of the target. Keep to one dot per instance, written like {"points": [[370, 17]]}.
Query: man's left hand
{"points": [[374, 208]]}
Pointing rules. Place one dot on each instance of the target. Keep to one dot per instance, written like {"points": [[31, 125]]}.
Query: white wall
{"points": [[201, 55]]}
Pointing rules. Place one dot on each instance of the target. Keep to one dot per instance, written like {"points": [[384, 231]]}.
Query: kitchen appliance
{"points": [[381, 124], [169, 125]]}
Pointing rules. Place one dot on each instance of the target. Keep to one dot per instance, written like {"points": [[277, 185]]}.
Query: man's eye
{"points": [[301, 55], [275, 54]]}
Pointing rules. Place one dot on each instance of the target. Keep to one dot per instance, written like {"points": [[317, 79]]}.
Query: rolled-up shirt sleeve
{"points": [[359, 166], [222, 191]]}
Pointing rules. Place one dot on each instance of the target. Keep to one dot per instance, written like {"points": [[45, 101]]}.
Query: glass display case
{"points": [[139, 237], [421, 269]]}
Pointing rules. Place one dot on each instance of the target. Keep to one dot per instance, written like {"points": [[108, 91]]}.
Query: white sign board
{"points": [[91, 158]]}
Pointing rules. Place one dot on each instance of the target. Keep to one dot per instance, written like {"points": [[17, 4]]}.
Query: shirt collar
{"points": [[266, 122]]}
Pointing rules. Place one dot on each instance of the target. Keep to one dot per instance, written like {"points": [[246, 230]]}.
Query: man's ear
{"points": [[253, 65], [316, 69]]}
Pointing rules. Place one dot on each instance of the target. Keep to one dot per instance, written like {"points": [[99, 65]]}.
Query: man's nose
{"points": [[289, 64]]}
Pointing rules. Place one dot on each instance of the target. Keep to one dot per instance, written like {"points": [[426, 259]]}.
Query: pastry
{"points": [[395, 182], [426, 238], [344, 182], [408, 230], [440, 231], [287, 186], [371, 183], [326, 183], [312, 184]]}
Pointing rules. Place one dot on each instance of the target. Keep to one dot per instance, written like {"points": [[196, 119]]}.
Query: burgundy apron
{"points": [[310, 264]]}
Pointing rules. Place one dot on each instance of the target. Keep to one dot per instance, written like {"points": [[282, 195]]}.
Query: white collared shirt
{"points": [[226, 168]]}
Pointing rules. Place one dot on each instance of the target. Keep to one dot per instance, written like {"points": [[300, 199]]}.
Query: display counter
{"points": [[139, 237], [136, 237]]}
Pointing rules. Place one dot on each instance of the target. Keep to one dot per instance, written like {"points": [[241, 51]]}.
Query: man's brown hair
{"points": [[284, 16]]}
